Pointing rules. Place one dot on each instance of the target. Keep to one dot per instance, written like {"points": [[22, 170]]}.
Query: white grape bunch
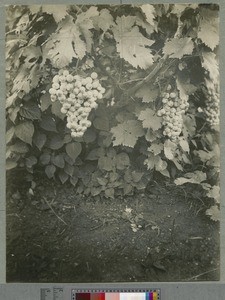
{"points": [[172, 113], [212, 109], [78, 96]]}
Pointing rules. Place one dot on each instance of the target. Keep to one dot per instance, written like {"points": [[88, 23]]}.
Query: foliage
{"points": [[158, 71]]}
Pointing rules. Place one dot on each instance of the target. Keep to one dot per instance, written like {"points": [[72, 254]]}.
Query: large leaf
{"points": [[148, 93], [150, 119], [149, 11], [19, 147], [178, 47], [105, 163], [131, 44], [73, 150], [10, 164], [209, 27], [45, 158], [127, 133], [24, 131], [214, 213], [196, 177]]}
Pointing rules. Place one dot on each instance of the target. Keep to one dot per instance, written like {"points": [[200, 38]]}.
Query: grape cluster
{"points": [[212, 109], [173, 109], [78, 97]]}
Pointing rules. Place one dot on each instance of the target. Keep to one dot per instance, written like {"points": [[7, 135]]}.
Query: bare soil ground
{"points": [[59, 236]]}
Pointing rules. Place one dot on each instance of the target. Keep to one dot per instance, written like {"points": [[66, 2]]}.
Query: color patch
{"points": [[112, 296], [98, 296], [83, 296]]}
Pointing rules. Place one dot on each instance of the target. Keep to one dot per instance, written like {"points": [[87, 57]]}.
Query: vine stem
{"points": [[46, 201], [148, 77]]}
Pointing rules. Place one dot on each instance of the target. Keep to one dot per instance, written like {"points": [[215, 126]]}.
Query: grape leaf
{"points": [[65, 44], [131, 44], [109, 193], [210, 63], [147, 93], [150, 119], [184, 145], [178, 47], [24, 131], [189, 126], [149, 11], [196, 177], [127, 133], [156, 148], [214, 213], [209, 28], [104, 21], [214, 192], [169, 149], [59, 12]]}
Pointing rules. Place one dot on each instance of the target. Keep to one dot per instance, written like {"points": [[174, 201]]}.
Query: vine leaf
{"points": [[214, 213], [131, 44], [24, 131], [214, 193], [58, 161], [147, 93], [210, 63], [63, 176], [150, 119], [209, 28], [59, 12], [156, 148], [196, 177], [149, 11], [184, 145], [178, 47], [104, 21], [169, 149], [127, 133]]}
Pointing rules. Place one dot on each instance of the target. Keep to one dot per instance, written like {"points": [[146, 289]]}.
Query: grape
{"points": [[212, 109], [78, 96], [94, 75], [171, 112]]}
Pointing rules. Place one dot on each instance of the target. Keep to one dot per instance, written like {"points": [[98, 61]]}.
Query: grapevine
{"points": [[78, 96]]}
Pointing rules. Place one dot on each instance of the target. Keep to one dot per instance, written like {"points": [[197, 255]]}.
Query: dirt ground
{"points": [[56, 235]]}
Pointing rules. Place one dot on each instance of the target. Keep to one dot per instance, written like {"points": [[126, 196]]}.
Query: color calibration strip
{"points": [[151, 295]]}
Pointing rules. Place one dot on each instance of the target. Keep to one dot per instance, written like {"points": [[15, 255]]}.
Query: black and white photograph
{"points": [[112, 143]]}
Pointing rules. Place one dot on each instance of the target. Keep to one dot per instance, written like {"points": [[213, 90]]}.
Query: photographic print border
{"points": [[2, 145]]}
